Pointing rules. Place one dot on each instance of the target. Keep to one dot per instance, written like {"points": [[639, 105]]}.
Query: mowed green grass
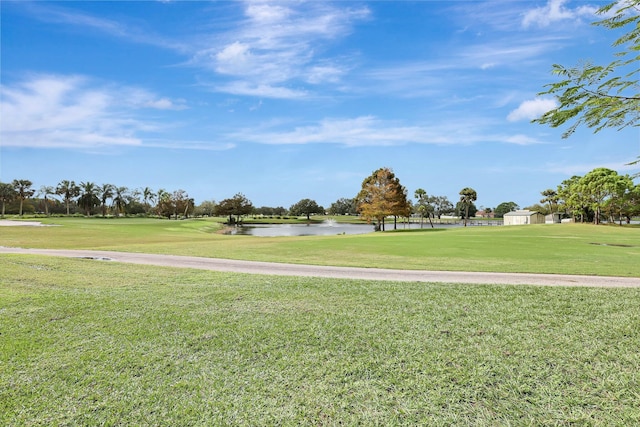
{"points": [[558, 248], [87, 342]]}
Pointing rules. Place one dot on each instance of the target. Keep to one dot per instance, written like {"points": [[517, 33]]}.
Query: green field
{"points": [[99, 343], [566, 249], [94, 343]]}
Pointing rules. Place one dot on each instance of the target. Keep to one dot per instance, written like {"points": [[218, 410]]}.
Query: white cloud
{"points": [[166, 104], [234, 59], [532, 109], [556, 11], [74, 112], [263, 12]]}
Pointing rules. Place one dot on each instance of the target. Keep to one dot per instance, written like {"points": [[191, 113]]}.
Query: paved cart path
{"points": [[282, 269]]}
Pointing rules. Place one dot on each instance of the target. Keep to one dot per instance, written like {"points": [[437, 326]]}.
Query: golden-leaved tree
{"points": [[382, 195]]}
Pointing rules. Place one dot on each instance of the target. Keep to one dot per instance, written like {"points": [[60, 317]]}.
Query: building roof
{"points": [[522, 212]]}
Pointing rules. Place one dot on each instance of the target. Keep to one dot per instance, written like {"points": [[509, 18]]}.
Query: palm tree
{"points": [[551, 197], [105, 192], [424, 205], [148, 197], [467, 197], [164, 203], [23, 188], [45, 190], [68, 190], [120, 199], [88, 198], [7, 194]]}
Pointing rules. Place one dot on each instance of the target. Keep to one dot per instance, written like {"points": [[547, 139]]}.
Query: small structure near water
{"points": [[523, 217]]}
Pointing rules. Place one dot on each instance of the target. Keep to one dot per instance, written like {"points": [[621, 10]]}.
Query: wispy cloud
{"points": [[371, 131], [47, 12], [583, 168], [512, 53], [203, 145], [277, 44], [75, 112], [247, 88]]}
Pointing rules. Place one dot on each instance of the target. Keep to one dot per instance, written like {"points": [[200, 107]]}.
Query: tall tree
{"points": [[23, 190], [601, 96], [467, 211], [165, 205], [403, 206], [7, 195], [631, 203], [88, 198], [551, 197], [148, 197], [306, 207], [382, 195], [620, 203], [105, 192], [503, 208], [343, 206], [68, 190], [442, 205], [120, 199], [570, 194], [423, 206], [45, 191], [206, 208], [600, 185], [238, 205], [174, 204], [467, 196]]}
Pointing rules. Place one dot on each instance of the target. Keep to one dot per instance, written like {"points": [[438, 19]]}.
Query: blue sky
{"points": [[289, 100]]}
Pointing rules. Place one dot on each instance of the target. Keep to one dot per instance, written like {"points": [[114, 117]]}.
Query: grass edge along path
{"points": [[285, 269], [93, 343]]}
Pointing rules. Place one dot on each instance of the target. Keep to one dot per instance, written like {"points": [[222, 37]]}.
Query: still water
{"points": [[327, 228]]}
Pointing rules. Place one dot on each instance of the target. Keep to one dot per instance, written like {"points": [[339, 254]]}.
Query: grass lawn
{"points": [[97, 343], [561, 248]]}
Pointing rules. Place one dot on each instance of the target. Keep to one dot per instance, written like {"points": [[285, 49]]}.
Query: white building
{"points": [[523, 217], [554, 218]]}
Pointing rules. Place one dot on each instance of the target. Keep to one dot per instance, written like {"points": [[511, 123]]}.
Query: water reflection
{"points": [[327, 228]]}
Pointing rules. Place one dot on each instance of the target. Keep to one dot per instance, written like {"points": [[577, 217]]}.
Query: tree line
{"points": [[602, 193], [90, 199]]}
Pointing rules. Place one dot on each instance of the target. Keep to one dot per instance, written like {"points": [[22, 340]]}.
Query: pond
{"points": [[327, 228]]}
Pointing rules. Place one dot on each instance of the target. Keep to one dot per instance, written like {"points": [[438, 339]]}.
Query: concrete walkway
{"points": [[282, 269]]}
